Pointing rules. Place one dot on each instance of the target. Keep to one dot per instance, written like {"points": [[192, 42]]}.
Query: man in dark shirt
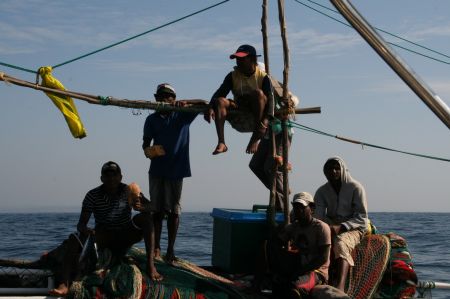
{"points": [[169, 154], [115, 229], [252, 91], [305, 264]]}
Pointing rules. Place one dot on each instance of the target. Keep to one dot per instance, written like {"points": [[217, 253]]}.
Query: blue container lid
{"points": [[241, 215]]}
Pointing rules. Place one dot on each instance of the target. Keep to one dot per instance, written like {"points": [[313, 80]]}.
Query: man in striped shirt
{"points": [[115, 229]]}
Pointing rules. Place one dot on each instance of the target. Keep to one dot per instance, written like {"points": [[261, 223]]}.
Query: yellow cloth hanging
{"points": [[64, 103]]}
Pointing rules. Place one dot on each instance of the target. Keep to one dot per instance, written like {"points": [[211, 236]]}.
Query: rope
{"points": [[391, 43], [117, 43], [104, 100], [17, 67], [140, 34], [389, 33], [309, 129]]}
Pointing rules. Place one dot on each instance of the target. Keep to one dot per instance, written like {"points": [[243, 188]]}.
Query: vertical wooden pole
{"points": [[265, 36], [271, 210], [284, 124]]}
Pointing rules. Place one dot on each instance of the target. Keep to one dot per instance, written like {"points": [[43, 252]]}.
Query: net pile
{"points": [[399, 279], [371, 257], [126, 278]]}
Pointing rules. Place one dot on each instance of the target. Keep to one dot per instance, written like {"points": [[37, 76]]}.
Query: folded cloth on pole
{"points": [[64, 103]]}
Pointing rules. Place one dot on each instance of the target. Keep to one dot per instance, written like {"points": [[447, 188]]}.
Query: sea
{"points": [[28, 235]]}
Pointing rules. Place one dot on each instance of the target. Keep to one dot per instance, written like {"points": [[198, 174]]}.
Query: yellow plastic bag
{"points": [[64, 103]]}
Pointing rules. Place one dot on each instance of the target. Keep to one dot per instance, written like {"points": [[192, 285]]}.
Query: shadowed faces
{"points": [[332, 171]]}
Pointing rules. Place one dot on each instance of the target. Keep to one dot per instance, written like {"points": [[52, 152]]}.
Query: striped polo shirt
{"points": [[110, 212]]}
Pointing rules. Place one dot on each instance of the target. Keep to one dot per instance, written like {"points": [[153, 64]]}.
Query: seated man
{"points": [[252, 91], [115, 229], [341, 202], [299, 268]]}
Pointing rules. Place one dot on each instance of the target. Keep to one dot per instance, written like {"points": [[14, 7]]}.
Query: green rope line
{"points": [[390, 43], [387, 32], [17, 67], [220, 3], [138, 35], [104, 100], [309, 129]]}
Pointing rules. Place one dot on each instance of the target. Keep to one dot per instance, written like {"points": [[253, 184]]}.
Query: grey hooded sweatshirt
{"points": [[348, 208]]}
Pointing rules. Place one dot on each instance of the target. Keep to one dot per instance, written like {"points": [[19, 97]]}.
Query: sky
{"points": [[43, 168]]}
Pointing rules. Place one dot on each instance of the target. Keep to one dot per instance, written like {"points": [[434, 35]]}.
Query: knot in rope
{"points": [[2, 77], [44, 70], [104, 100], [286, 111]]}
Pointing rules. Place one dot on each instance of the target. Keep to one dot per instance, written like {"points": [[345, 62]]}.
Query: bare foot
{"points": [[170, 258], [157, 253], [220, 148], [252, 146], [61, 290], [154, 275], [258, 133]]}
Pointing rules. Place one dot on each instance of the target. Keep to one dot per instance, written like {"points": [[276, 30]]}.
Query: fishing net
{"points": [[399, 279], [371, 257], [11, 277], [126, 278]]}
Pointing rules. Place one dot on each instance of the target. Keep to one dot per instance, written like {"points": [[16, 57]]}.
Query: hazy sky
{"points": [[42, 168]]}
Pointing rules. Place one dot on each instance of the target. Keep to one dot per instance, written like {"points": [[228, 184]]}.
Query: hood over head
{"points": [[345, 174]]}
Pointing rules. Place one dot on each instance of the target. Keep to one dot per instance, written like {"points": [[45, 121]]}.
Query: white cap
{"points": [[304, 198]]}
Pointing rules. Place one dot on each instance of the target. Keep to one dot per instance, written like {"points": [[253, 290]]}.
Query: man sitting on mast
{"points": [[342, 203], [252, 91]]}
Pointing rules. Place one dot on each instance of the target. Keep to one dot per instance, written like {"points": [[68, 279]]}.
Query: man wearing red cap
{"points": [[252, 91]]}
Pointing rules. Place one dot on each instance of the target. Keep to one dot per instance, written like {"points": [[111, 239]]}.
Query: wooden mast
{"points": [[287, 107], [271, 211]]}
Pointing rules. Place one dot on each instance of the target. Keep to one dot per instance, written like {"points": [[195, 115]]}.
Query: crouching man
{"points": [[304, 264]]}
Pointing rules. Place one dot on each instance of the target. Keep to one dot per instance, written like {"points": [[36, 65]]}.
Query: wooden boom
{"points": [[194, 105]]}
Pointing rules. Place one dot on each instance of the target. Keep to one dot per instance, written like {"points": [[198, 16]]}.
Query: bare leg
{"points": [[69, 264], [258, 106], [342, 267], [157, 223], [173, 222], [221, 106], [146, 222]]}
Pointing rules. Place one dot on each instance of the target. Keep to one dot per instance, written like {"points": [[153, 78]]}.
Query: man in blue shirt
{"points": [[169, 155]]}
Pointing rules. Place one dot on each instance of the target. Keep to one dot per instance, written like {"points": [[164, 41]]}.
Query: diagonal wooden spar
{"points": [[417, 85], [194, 105]]}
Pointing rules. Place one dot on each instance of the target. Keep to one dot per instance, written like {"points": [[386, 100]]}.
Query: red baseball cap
{"points": [[243, 51]]}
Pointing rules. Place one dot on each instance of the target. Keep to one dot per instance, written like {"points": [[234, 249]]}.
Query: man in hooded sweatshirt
{"points": [[342, 203]]}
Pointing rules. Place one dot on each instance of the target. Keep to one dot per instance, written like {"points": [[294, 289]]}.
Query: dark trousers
{"points": [[262, 164]]}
